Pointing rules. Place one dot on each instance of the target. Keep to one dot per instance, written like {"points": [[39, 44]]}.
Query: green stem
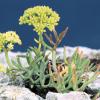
{"points": [[54, 60], [7, 58], [40, 42], [47, 46], [55, 69], [65, 58]]}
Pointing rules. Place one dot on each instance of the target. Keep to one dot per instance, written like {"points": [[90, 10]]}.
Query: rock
{"points": [[7, 80], [87, 52], [12, 55], [75, 95], [17, 93], [18, 81], [4, 79], [95, 85]]}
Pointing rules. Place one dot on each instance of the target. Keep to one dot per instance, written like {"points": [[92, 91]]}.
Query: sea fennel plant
{"points": [[7, 41], [40, 72], [42, 18]]}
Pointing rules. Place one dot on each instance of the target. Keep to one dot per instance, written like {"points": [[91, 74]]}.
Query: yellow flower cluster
{"points": [[40, 17], [2, 68], [1, 41], [8, 39]]}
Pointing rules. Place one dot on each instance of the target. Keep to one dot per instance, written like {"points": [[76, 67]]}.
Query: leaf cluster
{"points": [[40, 72]]}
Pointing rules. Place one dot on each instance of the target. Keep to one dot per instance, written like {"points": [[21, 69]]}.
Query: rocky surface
{"points": [[95, 85], [17, 93], [7, 80], [10, 90], [12, 56], [21, 93], [68, 96], [87, 52], [4, 79]]}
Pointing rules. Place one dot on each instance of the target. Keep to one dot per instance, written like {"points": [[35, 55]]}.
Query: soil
{"points": [[91, 92], [40, 91]]}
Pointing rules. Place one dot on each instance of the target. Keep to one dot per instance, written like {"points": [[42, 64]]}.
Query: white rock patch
{"points": [[68, 96], [16, 93]]}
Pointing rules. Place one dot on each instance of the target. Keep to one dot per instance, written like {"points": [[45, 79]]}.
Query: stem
{"points": [[7, 58], [65, 58], [55, 68], [54, 60], [40, 42], [47, 46]]}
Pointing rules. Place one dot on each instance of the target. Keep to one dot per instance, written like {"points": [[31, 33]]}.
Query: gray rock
{"points": [[7, 80], [17, 93], [18, 81], [95, 85], [87, 52], [12, 55], [68, 96], [4, 79]]}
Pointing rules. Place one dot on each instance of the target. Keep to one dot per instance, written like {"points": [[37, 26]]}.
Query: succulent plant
{"points": [[40, 71], [67, 77]]}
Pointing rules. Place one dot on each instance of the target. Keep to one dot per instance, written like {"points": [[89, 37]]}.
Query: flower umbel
{"points": [[40, 17], [8, 39], [12, 37]]}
